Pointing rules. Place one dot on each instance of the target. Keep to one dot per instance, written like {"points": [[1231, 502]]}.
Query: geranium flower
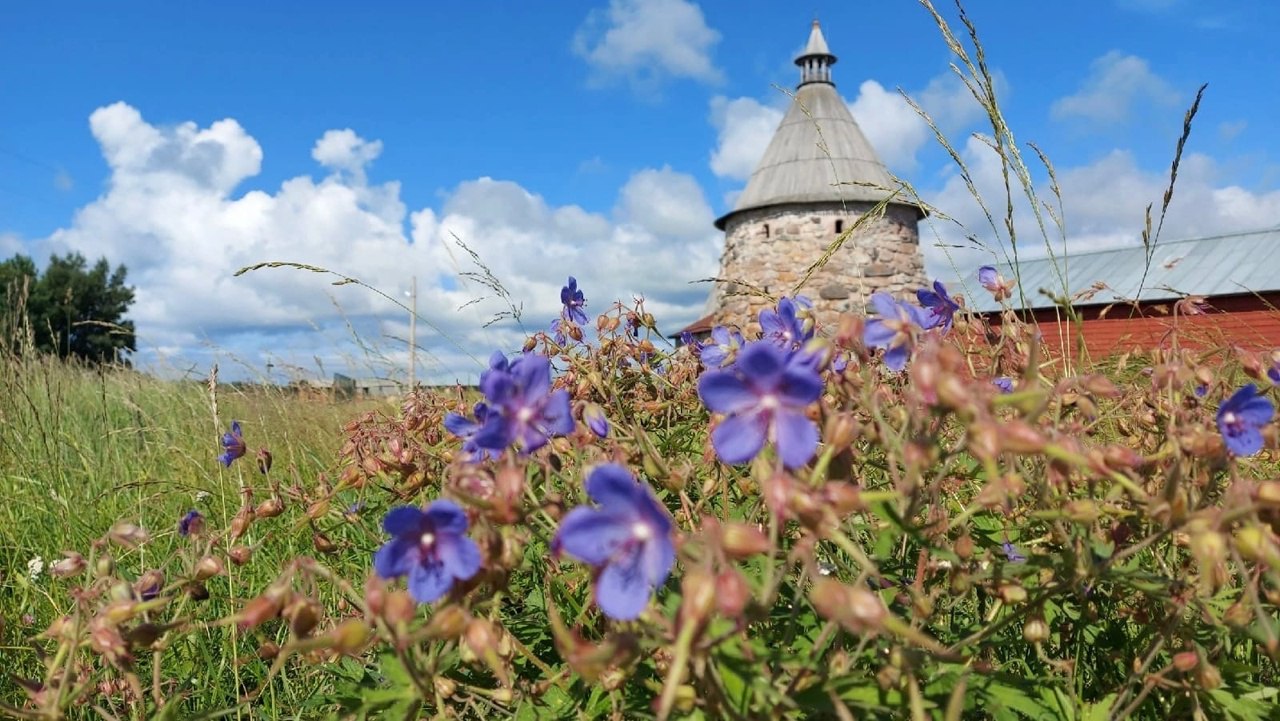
{"points": [[765, 395], [429, 546], [192, 522], [722, 348], [991, 279], [523, 410], [1241, 418], [783, 326], [627, 539], [1011, 553], [1004, 383], [892, 329], [467, 428], [593, 415], [232, 445], [939, 308], [574, 302]]}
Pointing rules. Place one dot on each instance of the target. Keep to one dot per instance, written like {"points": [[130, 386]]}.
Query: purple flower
{"points": [[687, 339], [784, 327], [627, 539], [765, 394], [1273, 373], [1012, 553], [466, 429], [1200, 390], [574, 302], [989, 278], [430, 547], [1004, 383], [192, 522], [522, 408], [939, 308], [892, 329], [1241, 418], [232, 445], [595, 419], [722, 348]]}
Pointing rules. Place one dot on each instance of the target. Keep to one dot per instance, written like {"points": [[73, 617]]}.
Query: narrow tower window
{"points": [[839, 227]]}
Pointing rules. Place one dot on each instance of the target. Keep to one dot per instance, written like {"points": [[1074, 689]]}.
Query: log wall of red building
{"points": [[1245, 321]]}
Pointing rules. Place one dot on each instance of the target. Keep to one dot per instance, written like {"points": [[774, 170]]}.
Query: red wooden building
{"points": [[1125, 299]]}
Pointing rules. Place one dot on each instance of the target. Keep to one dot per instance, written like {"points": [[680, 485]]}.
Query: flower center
{"points": [[769, 402], [641, 531], [427, 539], [525, 414], [1232, 421]]}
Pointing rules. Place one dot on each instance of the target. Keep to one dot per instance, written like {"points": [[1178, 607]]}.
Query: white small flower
{"points": [[826, 569], [35, 567], [202, 496]]}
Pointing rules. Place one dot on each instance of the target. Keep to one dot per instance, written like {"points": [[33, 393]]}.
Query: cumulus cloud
{"points": [[1117, 83], [344, 150], [647, 42], [744, 126], [170, 213], [1103, 205]]}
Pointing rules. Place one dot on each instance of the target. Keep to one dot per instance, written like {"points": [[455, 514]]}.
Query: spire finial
{"points": [[816, 60]]}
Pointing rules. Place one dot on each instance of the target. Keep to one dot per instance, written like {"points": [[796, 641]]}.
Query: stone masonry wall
{"points": [[771, 248]]}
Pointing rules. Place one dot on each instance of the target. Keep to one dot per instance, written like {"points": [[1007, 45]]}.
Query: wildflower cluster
{"points": [[988, 524]]}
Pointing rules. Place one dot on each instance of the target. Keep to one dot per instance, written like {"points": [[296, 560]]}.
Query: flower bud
{"points": [[128, 535], [1082, 511], [1035, 630], [323, 543], [1012, 593], [841, 431], [303, 614], [149, 584], [448, 622], [1208, 677], [398, 609], [742, 540], [481, 637], [268, 651], [445, 687], [240, 555], [1186, 660], [1268, 494], [732, 593], [264, 461], [104, 566], [964, 546], [208, 567], [1017, 436], [699, 596], [843, 498], [72, 564], [270, 508], [349, 637], [259, 610]]}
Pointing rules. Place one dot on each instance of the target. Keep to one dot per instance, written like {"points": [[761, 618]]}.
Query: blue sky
{"points": [[598, 139]]}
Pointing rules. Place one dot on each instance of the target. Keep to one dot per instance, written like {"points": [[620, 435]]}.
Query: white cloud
{"points": [[169, 214], [1103, 204], [647, 42], [344, 150], [1116, 84], [744, 126]]}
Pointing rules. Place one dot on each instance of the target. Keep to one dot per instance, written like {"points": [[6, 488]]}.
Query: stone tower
{"points": [[817, 177]]}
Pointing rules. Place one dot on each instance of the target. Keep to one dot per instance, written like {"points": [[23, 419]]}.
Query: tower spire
{"points": [[816, 60]]}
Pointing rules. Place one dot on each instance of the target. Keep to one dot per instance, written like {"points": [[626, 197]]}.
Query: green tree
{"points": [[74, 310]]}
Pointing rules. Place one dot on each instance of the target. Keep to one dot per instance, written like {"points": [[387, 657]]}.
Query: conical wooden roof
{"points": [[818, 153]]}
